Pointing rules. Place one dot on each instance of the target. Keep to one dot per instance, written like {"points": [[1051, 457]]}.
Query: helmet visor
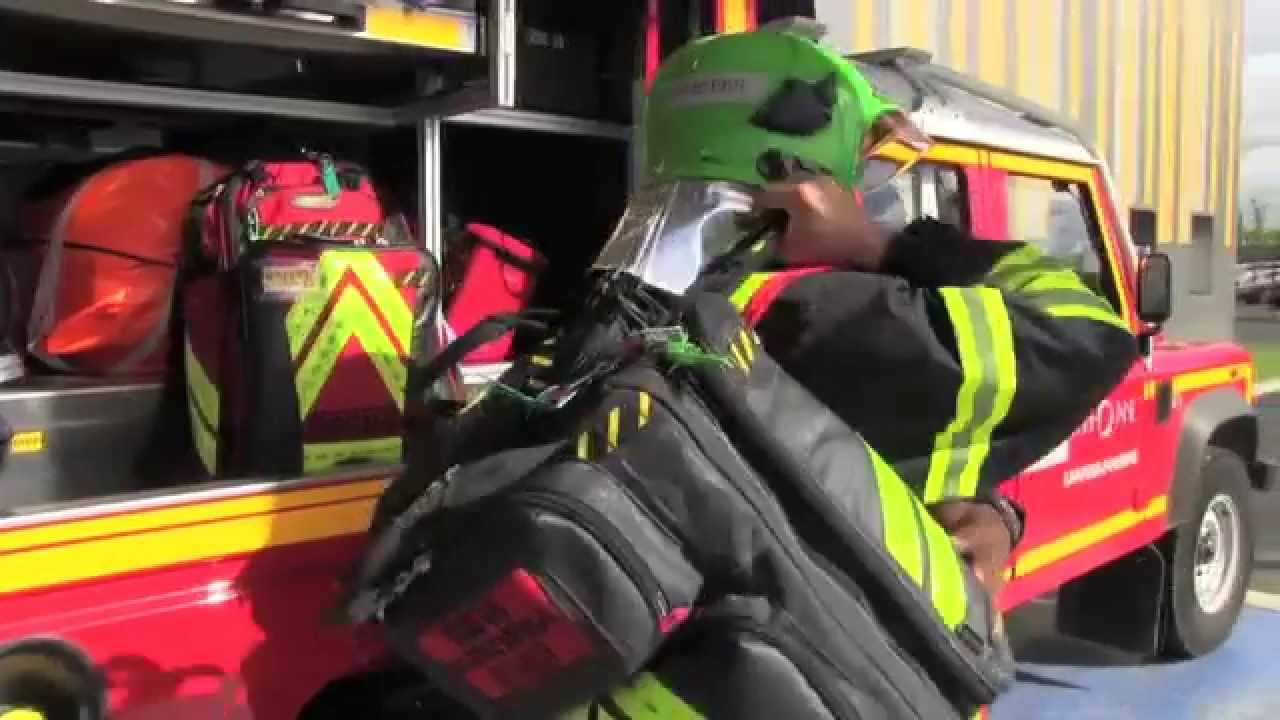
{"points": [[671, 231], [893, 147]]}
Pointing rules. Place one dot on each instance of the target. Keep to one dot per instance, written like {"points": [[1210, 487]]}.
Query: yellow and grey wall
{"points": [[1157, 83]]}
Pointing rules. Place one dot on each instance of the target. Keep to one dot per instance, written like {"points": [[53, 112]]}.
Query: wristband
{"points": [[1013, 516]]}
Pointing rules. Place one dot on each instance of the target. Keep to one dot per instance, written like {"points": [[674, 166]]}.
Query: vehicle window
{"points": [[1056, 217], [925, 190]]}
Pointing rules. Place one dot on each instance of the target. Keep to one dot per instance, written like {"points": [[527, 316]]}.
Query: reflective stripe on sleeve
{"points": [[1051, 286], [984, 342]]}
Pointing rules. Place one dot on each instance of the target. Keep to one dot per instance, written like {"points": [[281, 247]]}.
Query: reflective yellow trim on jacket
{"points": [[1052, 286], [989, 379], [644, 698]]}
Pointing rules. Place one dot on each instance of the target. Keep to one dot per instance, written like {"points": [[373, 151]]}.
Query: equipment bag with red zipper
{"points": [[298, 317]]}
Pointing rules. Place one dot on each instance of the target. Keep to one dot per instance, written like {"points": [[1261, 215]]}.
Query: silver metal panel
{"points": [[542, 122], [961, 109], [101, 92], [430, 216], [174, 19], [502, 49]]}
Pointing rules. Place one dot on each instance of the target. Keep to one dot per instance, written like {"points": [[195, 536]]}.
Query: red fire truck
{"points": [[213, 599]]}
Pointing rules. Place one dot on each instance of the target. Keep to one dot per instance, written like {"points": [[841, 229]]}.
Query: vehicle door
{"points": [[1081, 496]]}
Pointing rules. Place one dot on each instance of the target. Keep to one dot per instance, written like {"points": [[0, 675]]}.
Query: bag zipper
{"points": [[812, 664], [607, 535]]}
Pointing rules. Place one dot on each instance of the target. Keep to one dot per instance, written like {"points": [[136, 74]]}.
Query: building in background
{"points": [[1156, 83]]}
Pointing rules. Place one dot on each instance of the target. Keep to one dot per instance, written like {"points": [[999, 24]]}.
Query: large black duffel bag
{"points": [[647, 518]]}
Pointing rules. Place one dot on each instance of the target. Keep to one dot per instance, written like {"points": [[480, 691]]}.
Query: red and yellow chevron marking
{"points": [[63, 553], [353, 296]]}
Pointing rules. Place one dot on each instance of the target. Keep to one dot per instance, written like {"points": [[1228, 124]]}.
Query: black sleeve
{"points": [[970, 345]]}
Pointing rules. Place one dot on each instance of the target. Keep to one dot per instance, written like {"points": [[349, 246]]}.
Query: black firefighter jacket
{"points": [[962, 362]]}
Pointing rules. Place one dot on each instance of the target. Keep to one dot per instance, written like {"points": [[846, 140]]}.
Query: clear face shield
{"points": [[670, 232]]}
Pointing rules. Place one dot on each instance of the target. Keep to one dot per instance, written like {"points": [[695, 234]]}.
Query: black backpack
{"points": [[647, 518]]}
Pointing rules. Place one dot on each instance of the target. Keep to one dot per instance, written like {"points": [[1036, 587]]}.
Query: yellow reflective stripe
{"points": [[748, 345], [204, 407], [1054, 280], [747, 289], [947, 587], [901, 536], [1088, 312], [645, 407], [984, 342], [326, 456], [584, 446], [1043, 280], [646, 698], [615, 419], [1005, 379], [737, 355], [350, 316], [203, 392], [971, 377]]}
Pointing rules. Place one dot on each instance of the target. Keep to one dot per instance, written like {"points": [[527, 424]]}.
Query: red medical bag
{"points": [[495, 273]]}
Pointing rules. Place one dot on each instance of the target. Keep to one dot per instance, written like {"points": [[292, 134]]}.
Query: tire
{"points": [[48, 680], [1216, 546]]}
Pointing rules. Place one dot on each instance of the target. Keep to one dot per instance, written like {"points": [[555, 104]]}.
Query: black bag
{"points": [[646, 515]]}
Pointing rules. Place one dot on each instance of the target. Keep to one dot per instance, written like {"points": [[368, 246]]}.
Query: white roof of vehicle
{"points": [[948, 105]]}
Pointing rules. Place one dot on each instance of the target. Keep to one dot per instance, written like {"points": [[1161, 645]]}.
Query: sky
{"points": [[1260, 169]]}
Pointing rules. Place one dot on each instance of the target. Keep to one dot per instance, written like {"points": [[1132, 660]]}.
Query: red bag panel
{"points": [[493, 283]]}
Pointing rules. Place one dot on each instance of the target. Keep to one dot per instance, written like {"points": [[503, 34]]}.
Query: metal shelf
{"points": [[388, 31], [513, 119], [100, 92]]}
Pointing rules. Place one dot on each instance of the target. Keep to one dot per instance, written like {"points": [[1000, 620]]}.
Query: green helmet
{"points": [[721, 101]]}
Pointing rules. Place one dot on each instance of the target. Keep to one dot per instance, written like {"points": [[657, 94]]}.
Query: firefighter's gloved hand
{"points": [[825, 226], [981, 535]]}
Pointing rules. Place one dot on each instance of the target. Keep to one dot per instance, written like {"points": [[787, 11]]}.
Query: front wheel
{"points": [[1212, 560]]}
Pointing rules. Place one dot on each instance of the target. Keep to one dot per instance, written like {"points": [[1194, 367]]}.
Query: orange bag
{"points": [[109, 248]]}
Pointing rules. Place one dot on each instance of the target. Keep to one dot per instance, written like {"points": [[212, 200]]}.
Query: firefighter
{"points": [[961, 361]]}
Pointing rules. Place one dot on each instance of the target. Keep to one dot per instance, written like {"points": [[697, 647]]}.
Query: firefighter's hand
{"points": [[980, 535], [825, 226]]}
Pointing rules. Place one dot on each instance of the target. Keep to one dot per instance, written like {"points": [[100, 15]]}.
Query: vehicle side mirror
{"points": [[1155, 289]]}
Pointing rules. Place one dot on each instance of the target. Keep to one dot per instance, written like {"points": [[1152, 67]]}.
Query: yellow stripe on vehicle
{"points": [[1063, 547], [1212, 377], [143, 521], [901, 535]]}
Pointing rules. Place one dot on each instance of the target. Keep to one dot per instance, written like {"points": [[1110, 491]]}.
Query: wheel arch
{"points": [[1218, 418]]}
